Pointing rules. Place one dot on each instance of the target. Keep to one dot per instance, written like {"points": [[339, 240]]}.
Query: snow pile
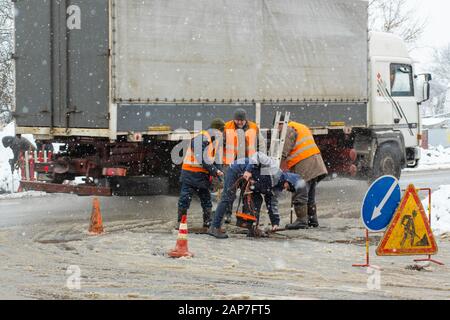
{"points": [[22, 195], [7, 182], [434, 158], [440, 210]]}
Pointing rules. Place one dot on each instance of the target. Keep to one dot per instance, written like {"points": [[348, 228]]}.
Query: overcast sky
{"points": [[437, 33]]}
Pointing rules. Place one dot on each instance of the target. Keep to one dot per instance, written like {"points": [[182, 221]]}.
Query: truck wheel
{"points": [[387, 162]]}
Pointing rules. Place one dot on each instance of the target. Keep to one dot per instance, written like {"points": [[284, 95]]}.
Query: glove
{"points": [[217, 183]]}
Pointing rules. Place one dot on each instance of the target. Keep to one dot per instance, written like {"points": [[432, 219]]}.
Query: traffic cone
{"points": [[96, 226], [181, 248]]}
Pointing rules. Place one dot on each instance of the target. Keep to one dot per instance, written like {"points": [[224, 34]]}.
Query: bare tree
{"points": [[441, 64], [441, 72], [394, 16], [6, 62]]}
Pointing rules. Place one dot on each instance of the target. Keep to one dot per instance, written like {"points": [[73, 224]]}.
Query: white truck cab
{"points": [[395, 95]]}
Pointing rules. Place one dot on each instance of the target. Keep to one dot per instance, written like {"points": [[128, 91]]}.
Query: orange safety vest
{"points": [[231, 150], [190, 162], [304, 147]]}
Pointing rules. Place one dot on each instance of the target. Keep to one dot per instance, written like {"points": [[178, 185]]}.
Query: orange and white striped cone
{"points": [[181, 248]]}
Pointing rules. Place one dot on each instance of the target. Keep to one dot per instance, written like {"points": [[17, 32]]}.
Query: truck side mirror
{"points": [[425, 79], [426, 91]]}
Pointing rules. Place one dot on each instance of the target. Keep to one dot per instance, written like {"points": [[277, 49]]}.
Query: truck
{"points": [[120, 83]]}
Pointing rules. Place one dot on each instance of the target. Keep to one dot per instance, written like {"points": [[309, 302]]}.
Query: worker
{"points": [[302, 156], [267, 179], [240, 141], [234, 147], [18, 144], [198, 167]]}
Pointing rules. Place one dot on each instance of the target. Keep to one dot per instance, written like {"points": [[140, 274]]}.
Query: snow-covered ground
{"points": [[440, 210], [434, 158]]}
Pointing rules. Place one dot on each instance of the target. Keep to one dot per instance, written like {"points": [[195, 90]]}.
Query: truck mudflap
{"points": [[81, 190]]}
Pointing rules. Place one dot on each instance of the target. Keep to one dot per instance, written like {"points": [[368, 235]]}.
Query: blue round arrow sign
{"points": [[380, 203]]}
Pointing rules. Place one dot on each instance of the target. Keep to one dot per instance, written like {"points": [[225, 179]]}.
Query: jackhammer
{"points": [[248, 218]]}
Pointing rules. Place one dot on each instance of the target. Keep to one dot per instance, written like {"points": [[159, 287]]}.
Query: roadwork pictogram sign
{"points": [[409, 232]]}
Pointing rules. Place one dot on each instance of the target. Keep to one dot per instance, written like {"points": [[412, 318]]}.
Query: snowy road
{"points": [[41, 237], [59, 208]]}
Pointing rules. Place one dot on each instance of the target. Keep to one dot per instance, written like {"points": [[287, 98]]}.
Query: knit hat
{"points": [[218, 124], [240, 114]]}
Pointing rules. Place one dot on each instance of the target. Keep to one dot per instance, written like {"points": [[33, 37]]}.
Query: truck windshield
{"points": [[402, 80]]}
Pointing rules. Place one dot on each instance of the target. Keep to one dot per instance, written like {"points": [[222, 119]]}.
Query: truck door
{"points": [[87, 31], [407, 110], [33, 56], [62, 63]]}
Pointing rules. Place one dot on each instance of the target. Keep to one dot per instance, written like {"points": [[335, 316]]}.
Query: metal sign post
{"points": [[429, 220]]}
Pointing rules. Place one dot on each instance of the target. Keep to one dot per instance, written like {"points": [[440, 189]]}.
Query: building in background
{"points": [[436, 132]]}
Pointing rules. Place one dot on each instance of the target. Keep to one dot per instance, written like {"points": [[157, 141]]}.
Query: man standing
{"points": [[241, 138], [267, 179], [302, 156], [198, 167]]}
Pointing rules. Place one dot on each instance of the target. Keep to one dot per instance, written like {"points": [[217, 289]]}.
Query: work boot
{"points": [[312, 216], [181, 213], [217, 233], [207, 218], [302, 218]]}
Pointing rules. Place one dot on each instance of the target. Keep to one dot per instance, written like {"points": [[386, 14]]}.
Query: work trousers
{"points": [[306, 195], [271, 201], [188, 191], [229, 195]]}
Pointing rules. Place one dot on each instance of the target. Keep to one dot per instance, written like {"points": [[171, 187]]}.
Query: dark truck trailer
{"points": [[114, 79]]}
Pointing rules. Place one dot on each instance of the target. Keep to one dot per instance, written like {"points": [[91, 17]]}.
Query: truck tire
{"points": [[387, 162]]}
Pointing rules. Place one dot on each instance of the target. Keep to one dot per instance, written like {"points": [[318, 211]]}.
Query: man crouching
{"points": [[267, 178]]}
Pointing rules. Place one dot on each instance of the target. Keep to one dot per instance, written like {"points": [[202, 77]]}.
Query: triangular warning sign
{"points": [[409, 232]]}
